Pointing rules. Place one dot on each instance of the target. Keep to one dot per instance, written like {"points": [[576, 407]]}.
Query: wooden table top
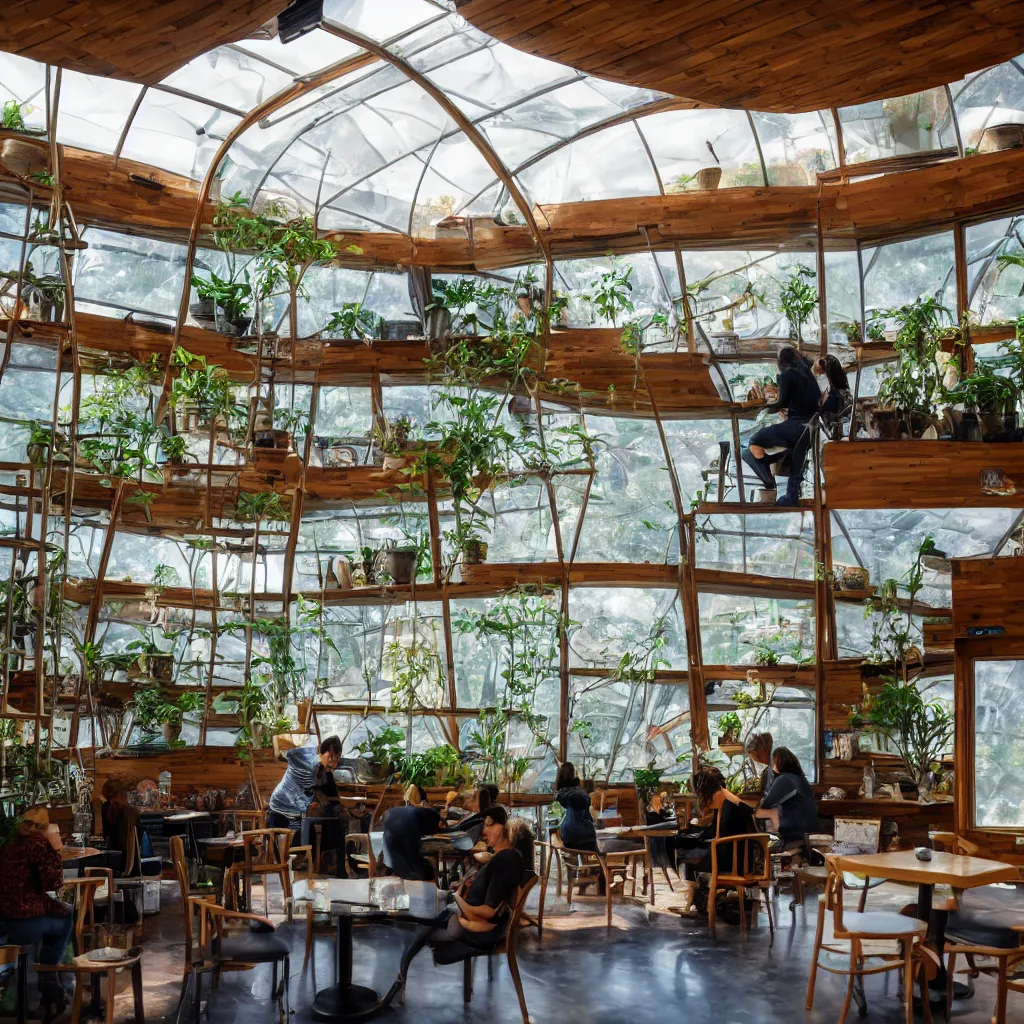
{"points": [[70, 853], [943, 869]]}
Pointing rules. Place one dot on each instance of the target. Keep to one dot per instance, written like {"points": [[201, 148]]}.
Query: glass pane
{"points": [[903, 124], [998, 751]]}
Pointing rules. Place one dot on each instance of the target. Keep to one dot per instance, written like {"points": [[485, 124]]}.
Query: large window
{"points": [[998, 744]]}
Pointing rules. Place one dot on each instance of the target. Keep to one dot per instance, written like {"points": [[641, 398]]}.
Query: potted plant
{"points": [[646, 781], [151, 661], [764, 653], [992, 397], [153, 707], [354, 322], [400, 562], [729, 729], [798, 299], [919, 732], [383, 750], [392, 438]]}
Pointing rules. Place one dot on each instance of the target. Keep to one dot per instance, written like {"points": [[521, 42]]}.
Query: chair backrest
{"points": [[249, 821], [747, 850], [864, 834], [607, 801], [180, 865], [518, 906], [266, 849]]}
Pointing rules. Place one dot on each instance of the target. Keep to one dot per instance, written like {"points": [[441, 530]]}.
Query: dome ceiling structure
{"points": [[781, 55], [394, 117]]}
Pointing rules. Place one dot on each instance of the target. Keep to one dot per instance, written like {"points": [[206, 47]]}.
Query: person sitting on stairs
{"points": [[799, 397]]}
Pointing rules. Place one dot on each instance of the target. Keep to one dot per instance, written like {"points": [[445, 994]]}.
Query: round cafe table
{"points": [[950, 869], [349, 899]]}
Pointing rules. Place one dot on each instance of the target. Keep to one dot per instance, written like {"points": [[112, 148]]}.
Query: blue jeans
{"points": [[792, 434], [51, 933]]}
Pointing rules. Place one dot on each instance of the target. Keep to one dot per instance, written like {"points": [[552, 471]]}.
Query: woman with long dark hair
{"points": [[577, 826], [837, 401], [790, 805], [799, 398]]}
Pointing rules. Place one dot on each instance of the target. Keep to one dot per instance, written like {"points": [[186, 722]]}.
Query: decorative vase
{"points": [[400, 564]]}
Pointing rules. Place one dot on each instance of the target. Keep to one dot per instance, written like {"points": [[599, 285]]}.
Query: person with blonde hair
{"points": [[31, 868]]}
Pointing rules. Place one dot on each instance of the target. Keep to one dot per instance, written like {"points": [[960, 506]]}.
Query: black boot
{"points": [[761, 468]]}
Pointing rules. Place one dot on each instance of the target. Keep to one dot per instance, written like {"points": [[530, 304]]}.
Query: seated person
{"points": [[482, 906], [30, 867], [730, 817], [663, 848], [837, 401], [477, 803], [798, 401], [789, 805], [404, 828], [119, 821], [520, 835], [759, 752], [577, 825]]}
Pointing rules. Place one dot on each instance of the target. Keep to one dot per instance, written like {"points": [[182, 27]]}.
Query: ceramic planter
{"points": [[400, 564], [170, 732]]}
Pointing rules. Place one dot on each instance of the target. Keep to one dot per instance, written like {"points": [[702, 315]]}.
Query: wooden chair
{"points": [[587, 867], [82, 967], [84, 889], [751, 868], [265, 853], [248, 821], [858, 928], [363, 859], [18, 957], [508, 945], [608, 809], [986, 922], [107, 899], [865, 833], [225, 950], [190, 896]]}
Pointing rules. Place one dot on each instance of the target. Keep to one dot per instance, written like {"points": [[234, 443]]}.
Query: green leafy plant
{"points": [[610, 292], [385, 748], [153, 707], [646, 781], [920, 731], [13, 118], [729, 727], [261, 506], [355, 322], [439, 766], [764, 653], [799, 298], [233, 297]]}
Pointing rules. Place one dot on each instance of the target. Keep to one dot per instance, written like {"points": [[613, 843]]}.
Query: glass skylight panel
{"points": [[994, 96], [994, 292], [229, 77], [24, 80], [381, 21], [902, 124], [684, 141], [608, 165], [311, 52], [796, 147], [175, 133], [903, 272], [93, 111]]}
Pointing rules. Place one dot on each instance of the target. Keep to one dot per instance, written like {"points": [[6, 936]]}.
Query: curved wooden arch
{"points": [[777, 55]]}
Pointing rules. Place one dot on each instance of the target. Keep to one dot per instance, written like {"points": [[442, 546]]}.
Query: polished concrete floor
{"points": [[651, 967]]}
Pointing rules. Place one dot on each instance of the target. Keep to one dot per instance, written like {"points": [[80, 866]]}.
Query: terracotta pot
{"points": [[170, 732], [708, 178], [400, 564]]}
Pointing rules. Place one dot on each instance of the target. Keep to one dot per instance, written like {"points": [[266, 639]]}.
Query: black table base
{"points": [[345, 1002]]}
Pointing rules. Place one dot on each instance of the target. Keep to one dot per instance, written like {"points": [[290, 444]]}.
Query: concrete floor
{"points": [[651, 967]]}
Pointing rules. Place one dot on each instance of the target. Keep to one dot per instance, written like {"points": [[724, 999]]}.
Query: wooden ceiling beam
{"points": [[773, 55], [885, 208]]}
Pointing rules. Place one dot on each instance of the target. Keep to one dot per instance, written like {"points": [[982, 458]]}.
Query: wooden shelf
{"points": [[751, 508]]}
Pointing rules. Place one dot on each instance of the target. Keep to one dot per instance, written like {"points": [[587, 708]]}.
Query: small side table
{"points": [[82, 967]]}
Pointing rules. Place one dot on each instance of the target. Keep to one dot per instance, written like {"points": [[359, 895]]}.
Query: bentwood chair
{"points": [[508, 945], [749, 867], [222, 948], [191, 897], [894, 938], [265, 854], [587, 867]]}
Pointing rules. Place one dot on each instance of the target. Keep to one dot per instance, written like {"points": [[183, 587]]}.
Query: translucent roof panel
{"points": [[681, 142], [993, 96], [233, 77], [796, 147], [93, 112], [904, 124], [381, 21]]}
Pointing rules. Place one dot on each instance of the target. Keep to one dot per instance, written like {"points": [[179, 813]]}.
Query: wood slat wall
{"points": [[783, 55], [988, 592], [920, 474]]}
